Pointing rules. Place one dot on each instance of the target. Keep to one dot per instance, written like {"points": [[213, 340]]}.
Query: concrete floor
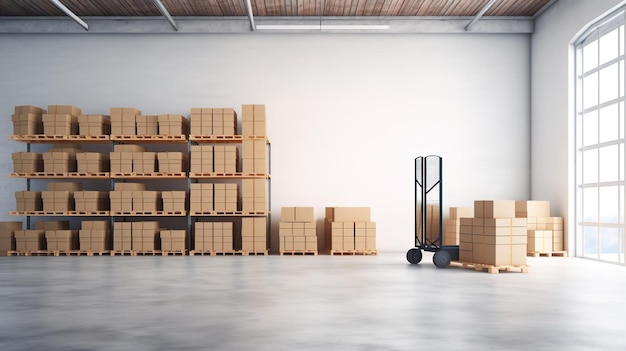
{"points": [[306, 303]]}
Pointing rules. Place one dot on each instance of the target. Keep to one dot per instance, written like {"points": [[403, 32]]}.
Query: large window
{"points": [[600, 154]]}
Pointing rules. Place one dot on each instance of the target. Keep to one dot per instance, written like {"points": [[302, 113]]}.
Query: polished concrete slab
{"points": [[306, 303]]}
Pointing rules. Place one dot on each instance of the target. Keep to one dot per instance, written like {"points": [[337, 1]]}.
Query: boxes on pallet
{"points": [[27, 120], [60, 159], [253, 120], [30, 240], [91, 201], [254, 234], [202, 158], [59, 124], [173, 201], [27, 162], [94, 239], [172, 125], [171, 162], [27, 201], [254, 195], [540, 241], [63, 240], [201, 197], [254, 156], [124, 120], [7, 236], [173, 240]]}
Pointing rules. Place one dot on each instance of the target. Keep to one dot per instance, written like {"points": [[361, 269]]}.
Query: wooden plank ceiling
{"points": [[217, 8]]}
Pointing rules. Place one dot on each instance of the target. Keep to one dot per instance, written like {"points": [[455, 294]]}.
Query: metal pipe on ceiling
{"points": [[165, 13], [250, 15], [69, 12], [479, 15]]}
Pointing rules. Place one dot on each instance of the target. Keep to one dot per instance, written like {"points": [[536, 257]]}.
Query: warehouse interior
{"points": [[353, 93]]}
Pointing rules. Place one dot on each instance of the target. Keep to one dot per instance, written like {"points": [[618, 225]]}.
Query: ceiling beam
{"points": [[250, 15], [480, 14], [156, 25], [69, 12], [165, 13]]}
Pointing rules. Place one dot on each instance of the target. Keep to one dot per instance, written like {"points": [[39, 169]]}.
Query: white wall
{"points": [[347, 113], [552, 116]]}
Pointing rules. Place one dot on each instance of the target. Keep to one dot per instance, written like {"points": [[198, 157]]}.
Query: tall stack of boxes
{"points": [[27, 162], [253, 120], [124, 121], [545, 233], [254, 156], [60, 159], [173, 201], [146, 201], [27, 120], [452, 226], [122, 236], [61, 120], [225, 158], [254, 234], [173, 240], [172, 125], [30, 240], [494, 236], [60, 196], [213, 236], [7, 236], [201, 159], [296, 231], [201, 197], [94, 236], [94, 125], [225, 197], [145, 236], [254, 195], [349, 229]]}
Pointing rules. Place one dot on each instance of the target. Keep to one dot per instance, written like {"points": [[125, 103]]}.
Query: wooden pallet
{"points": [[298, 252], [73, 175], [150, 138], [548, 254], [149, 213], [228, 253], [229, 213], [30, 253], [490, 268], [79, 253], [353, 252], [58, 213], [160, 175], [229, 175], [121, 253]]}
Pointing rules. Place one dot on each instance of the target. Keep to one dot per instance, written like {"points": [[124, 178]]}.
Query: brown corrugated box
{"points": [[28, 201], [7, 236], [27, 162], [494, 208], [30, 240]]}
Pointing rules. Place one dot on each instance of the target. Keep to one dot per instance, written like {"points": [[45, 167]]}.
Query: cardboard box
{"points": [[27, 201], [7, 236], [502, 255], [30, 240], [494, 209], [460, 212], [540, 241], [348, 214], [27, 162]]}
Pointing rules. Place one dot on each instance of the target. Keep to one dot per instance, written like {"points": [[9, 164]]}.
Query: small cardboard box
{"points": [[494, 209], [532, 208]]}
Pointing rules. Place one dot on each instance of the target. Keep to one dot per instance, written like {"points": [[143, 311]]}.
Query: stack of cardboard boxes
{"points": [[254, 195], [94, 236], [7, 236], [225, 197], [213, 236], [147, 125], [349, 229], [60, 159], [253, 120], [30, 240], [61, 240], [225, 158], [254, 156], [28, 201], [172, 125], [133, 197], [494, 236], [124, 121], [213, 121], [171, 162], [94, 125], [91, 201], [27, 162], [199, 195], [173, 240], [201, 159], [173, 201], [122, 236], [60, 196], [132, 159], [297, 231], [452, 225], [254, 234], [145, 236], [92, 162], [545, 233], [61, 120], [27, 120]]}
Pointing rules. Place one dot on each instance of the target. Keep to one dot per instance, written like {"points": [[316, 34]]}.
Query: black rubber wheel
{"points": [[414, 256], [441, 259]]}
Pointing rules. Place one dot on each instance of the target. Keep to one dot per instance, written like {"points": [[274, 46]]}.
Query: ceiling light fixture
{"points": [[322, 27]]}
